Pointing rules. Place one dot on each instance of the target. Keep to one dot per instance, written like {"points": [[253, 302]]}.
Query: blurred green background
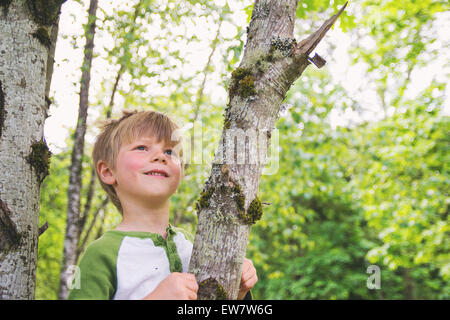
{"points": [[363, 175]]}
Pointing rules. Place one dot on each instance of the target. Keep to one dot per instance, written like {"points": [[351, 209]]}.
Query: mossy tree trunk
{"points": [[229, 204], [27, 42], [75, 222]]}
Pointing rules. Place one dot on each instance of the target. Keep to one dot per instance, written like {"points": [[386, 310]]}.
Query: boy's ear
{"points": [[105, 173]]}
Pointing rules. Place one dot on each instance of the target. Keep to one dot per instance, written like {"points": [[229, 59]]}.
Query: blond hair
{"points": [[131, 126]]}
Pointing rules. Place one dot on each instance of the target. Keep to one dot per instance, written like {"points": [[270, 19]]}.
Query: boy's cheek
{"points": [[133, 163]]}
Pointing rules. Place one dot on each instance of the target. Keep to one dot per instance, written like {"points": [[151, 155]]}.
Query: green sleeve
{"points": [[97, 271]]}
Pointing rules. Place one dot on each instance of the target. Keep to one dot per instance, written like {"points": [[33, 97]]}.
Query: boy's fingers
{"points": [[248, 273], [249, 283], [193, 296], [186, 275], [193, 286], [191, 282], [247, 266]]}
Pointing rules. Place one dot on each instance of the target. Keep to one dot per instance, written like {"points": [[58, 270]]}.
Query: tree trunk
{"points": [[26, 40], [73, 229], [409, 289], [229, 205]]}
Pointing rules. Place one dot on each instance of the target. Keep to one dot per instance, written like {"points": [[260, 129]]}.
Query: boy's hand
{"points": [[248, 278], [177, 286]]}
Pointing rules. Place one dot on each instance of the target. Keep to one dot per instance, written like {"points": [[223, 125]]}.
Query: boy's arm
{"points": [[95, 278]]}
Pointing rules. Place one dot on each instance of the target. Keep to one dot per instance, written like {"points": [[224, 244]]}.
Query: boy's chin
{"points": [[158, 196]]}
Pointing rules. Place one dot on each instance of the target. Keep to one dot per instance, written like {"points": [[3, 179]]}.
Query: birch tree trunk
{"points": [[229, 204], [73, 227], [27, 40]]}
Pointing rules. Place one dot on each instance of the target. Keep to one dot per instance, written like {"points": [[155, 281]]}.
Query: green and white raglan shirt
{"points": [[125, 265]]}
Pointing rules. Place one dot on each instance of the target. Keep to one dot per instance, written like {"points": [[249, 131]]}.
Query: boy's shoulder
{"points": [[96, 271], [107, 245], [110, 242], [184, 232]]}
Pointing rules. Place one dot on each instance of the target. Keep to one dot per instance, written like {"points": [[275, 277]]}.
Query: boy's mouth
{"points": [[157, 173]]}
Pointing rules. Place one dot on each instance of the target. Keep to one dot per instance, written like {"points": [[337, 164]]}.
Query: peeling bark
{"points": [[229, 205]]}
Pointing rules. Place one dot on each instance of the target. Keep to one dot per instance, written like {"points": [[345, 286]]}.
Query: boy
{"points": [[144, 257]]}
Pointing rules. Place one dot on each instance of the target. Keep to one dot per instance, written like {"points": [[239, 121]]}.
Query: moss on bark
{"points": [[5, 5], [203, 201], [242, 83], [44, 12], [39, 159], [212, 289], [43, 36], [255, 210], [239, 197]]}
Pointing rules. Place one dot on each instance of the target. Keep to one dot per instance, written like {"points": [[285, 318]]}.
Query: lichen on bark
{"points": [[281, 47], [261, 9]]}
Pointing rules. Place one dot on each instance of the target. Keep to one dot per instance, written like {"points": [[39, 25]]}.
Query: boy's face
{"points": [[132, 179]]}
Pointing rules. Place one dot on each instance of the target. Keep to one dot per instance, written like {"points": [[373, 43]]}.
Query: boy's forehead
{"points": [[149, 139], [144, 138]]}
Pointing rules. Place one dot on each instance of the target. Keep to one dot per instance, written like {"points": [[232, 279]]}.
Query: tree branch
{"points": [[229, 204], [80, 249], [306, 46], [43, 228], [296, 61]]}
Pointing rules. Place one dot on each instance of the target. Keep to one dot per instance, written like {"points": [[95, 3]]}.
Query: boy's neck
{"points": [[147, 218]]}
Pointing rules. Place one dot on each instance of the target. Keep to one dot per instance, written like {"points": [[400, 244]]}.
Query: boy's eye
{"points": [[144, 148]]}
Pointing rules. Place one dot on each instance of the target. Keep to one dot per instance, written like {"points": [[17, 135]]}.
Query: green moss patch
{"points": [[254, 212], [211, 288], [239, 198], [203, 201], [44, 12], [5, 5], [43, 36], [243, 83], [39, 159]]}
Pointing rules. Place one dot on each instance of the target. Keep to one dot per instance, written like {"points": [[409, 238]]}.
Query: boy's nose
{"points": [[159, 157]]}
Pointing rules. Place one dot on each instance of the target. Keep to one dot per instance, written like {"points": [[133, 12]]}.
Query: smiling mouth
{"points": [[156, 175]]}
